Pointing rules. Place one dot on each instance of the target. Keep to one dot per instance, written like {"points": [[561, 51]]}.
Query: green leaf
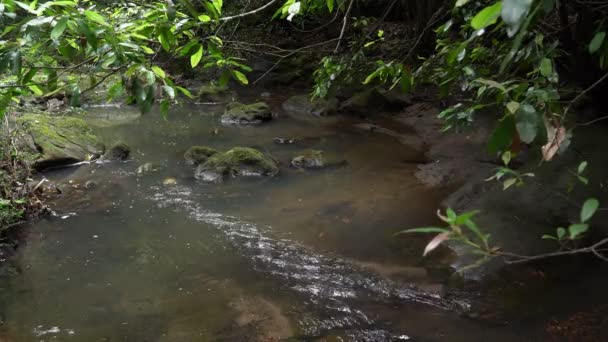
{"points": [[597, 41], [159, 72], [589, 208], [240, 77], [549, 237], [204, 18], [423, 230], [561, 233], [185, 91], [218, 5], [96, 17], [492, 84], [462, 218], [506, 157], [164, 108], [461, 3], [195, 59], [582, 167], [486, 16], [546, 67], [576, 230], [170, 91], [59, 28], [513, 107], [36, 90], [527, 123], [86, 30], [330, 5], [406, 80], [508, 183], [513, 14], [503, 135], [39, 21]]}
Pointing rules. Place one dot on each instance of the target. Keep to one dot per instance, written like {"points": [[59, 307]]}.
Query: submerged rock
{"points": [[197, 155], [120, 151], [213, 93], [145, 169], [237, 162], [58, 140], [111, 117], [247, 114], [314, 159], [303, 105]]}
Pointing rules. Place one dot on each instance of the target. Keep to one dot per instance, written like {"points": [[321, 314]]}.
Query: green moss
{"points": [[198, 154], [59, 138], [247, 113], [242, 158]]}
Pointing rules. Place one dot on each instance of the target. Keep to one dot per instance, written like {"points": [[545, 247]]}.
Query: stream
{"points": [[305, 256]]}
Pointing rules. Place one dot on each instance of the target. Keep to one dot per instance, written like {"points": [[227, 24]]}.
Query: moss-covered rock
{"points": [[237, 162], [315, 159], [303, 105], [197, 155], [247, 114], [119, 151], [58, 140], [213, 93]]}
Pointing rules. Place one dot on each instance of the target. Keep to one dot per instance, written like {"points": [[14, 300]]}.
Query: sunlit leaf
{"points": [[486, 16], [195, 59], [59, 28], [240, 77]]}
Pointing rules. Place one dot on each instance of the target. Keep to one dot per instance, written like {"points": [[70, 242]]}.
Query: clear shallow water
{"points": [[305, 256]]}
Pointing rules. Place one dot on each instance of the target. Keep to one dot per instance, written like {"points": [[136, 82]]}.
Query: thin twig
{"points": [[248, 13], [344, 22], [582, 93], [520, 259]]}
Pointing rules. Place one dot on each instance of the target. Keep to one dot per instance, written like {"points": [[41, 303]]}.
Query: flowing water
{"points": [[304, 256]]}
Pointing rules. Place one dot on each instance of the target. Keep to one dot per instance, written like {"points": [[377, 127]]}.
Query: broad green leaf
{"points": [[527, 123], [597, 41], [513, 14], [503, 135], [240, 77], [96, 17], [330, 5], [486, 16], [218, 5], [146, 49], [589, 208], [59, 28], [195, 59], [546, 67], [86, 30], [159, 72], [576, 230], [423, 230]]}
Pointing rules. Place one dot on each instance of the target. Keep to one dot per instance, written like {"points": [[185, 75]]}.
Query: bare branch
{"points": [[248, 13]]}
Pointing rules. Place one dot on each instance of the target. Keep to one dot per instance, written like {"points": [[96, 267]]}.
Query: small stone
{"points": [[169, 181]]}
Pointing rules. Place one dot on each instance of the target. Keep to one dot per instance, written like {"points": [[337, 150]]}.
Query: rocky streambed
{"points": [[256, 221]]}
